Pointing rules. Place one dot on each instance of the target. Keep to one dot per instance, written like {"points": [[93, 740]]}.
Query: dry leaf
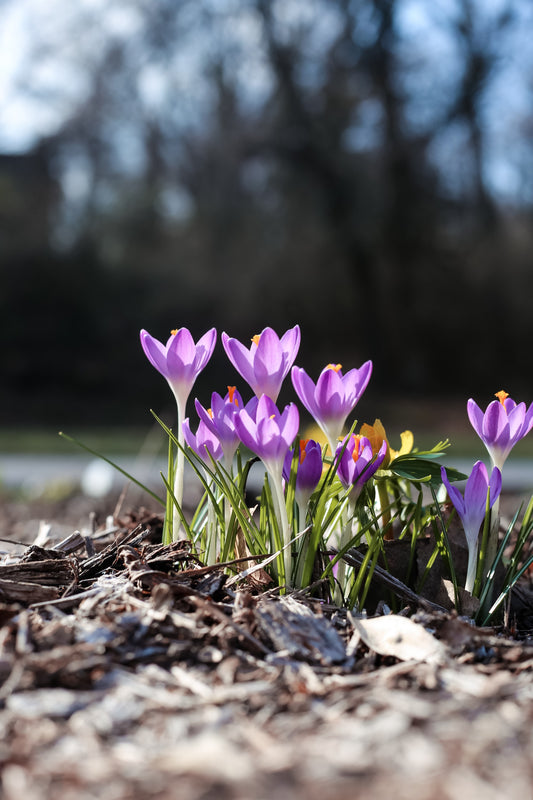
{"points": [[400, 637]]}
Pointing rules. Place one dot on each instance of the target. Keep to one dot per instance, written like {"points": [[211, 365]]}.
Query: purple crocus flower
{"points": [[502, 425], [180, 360], [266, 363], [220, 419], [355, 465], [333, 397], [471, 508], [308, 471], [204, 443], [267, 432]]}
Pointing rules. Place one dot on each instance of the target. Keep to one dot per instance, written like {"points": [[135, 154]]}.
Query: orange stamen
{"points": [[174, 331], [210, 412], [334, 367], [357, 447], [502, 396], [303, 445], [231, 393], [255, 339]]}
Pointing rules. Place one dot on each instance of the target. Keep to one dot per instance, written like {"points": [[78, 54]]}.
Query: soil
{"points": [[130, 670]]}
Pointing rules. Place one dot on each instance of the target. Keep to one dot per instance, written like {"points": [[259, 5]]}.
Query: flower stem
{"points": [[345, 536], [228, 466], [385, 510], [492, 547], [178, 476], [212, 543], [279, 499], [472, 568]]}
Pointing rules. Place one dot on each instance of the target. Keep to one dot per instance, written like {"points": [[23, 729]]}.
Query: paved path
{"points": [[36, 472]]}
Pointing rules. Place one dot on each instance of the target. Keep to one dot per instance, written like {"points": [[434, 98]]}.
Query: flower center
{"points": [[174, 331], [210, 412], [231, 395], [502, 396], [303, 445], [255, 339], [334, 367]]}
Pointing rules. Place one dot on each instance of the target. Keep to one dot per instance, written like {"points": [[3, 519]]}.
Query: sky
{"points": [[25, 113], [19, 122], [30, 110]]}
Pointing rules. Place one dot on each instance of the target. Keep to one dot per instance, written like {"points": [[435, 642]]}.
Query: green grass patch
{"points": [[132, 440], [123, 441]]}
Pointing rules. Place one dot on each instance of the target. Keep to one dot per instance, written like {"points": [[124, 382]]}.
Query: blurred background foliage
{"points": [[361, 167]]}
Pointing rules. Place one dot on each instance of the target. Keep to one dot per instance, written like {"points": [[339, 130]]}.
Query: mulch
{"points": [[128, 669]]}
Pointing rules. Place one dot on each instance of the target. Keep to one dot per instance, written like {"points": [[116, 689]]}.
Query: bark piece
{"points": [[294, 628], [16, 591], [51, 572]]}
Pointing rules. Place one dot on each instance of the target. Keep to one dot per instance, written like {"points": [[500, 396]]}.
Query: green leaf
{"points": [[437, 451], [422, 470]]}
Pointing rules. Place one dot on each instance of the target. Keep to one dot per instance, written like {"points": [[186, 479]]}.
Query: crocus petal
{"points": [[188, 435], [471, 508], [204, 349], [355, 472], [453, 492], [266, 408], [305, 389], [239, 357], [329, 395], [268, 441], [221, 425], [290, 343], [155, 352], [182, 347], [268, 357], [333, 397], [246, 429], [291, 423], [495, 485], [205, 443], [475, 496], [380, 458], [204, 415], [270, 434], [475, 415], [266, 363], [502, 425], [355, 382], [528, 421], [495, 428], [308, 468], [180, 360]]}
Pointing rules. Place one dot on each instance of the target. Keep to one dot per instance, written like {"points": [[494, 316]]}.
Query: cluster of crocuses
{"points": [[500, 427], [266, 430], [270, 433]]}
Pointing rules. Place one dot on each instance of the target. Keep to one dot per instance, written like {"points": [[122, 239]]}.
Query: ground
{"points": [[130, 671]]}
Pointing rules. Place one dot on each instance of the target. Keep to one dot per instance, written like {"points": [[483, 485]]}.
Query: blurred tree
{"points": [[260, 162], [29, 200]]}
